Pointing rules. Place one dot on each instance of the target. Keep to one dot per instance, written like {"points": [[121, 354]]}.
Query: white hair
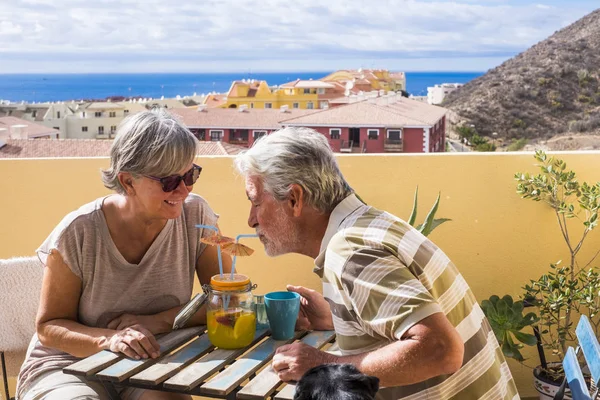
{"points": [[149, 143], [296, 156]]}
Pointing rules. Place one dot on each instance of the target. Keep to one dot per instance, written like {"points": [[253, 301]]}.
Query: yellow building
{"points": [[367, 80], [299, 94]]}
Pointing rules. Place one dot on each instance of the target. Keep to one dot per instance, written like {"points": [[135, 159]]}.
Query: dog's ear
{"points": [[370, 383], [373, 383]]}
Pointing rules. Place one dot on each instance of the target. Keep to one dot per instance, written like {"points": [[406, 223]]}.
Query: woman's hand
{"points": [[135, 342], [153, 323], [315, 313]]}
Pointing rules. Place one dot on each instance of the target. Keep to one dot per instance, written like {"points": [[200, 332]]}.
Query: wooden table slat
{"points": [[267, 380], [170, 365], [197, 372], [232, 377], [92, 364], [126, 367], [287, 393]]}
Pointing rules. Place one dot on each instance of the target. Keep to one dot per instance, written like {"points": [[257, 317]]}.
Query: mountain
{"points": [[551, 89]]}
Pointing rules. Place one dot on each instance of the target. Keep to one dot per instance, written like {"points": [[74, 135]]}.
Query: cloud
{"points": [[242, 31]]}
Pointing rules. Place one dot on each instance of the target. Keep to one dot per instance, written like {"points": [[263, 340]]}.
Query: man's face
{"points": [[271, 219]]}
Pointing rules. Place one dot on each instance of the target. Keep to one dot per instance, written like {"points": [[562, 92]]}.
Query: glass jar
{"points": [[230, 313]]}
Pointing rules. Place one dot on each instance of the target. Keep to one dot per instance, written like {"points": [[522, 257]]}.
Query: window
{"points": [[84, 129], [58, 114], [216, 136], [335, 133], [251, 105], [113, 129], [34, 113], [321, 91], [112, 114], [310, 105], [323, 104], [395, 134], [295, 105], [373, 134], [268, 105], [98, 114], [100, 130], [306, 91], [83, 114], [258, 134], [56, 127], [125, 112]]}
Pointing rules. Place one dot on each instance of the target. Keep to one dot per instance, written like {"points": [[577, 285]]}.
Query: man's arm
{"points": [[430, 348]]}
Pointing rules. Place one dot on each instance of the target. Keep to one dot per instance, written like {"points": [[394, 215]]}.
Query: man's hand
{"points": [[293, 360], [150, 322], [315, 313], [135, 342]]}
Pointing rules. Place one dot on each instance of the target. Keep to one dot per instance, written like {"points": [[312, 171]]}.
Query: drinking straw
{"points": [[237, 239], [214, 228]]}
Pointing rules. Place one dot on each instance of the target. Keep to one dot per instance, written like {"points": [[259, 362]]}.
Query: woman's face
{"points": [[155, 203]]}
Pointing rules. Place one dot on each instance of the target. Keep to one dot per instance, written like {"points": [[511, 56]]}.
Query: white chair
{"points": [[20, 285]]}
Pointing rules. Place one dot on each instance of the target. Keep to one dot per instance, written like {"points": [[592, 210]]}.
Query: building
{"points": [[241, 126], [368, 124], [84, 120], [437, 93], [98, 120], [367, 80], [17, 128], [389, 123], [330, 91], [298, 94], [27, 148]]}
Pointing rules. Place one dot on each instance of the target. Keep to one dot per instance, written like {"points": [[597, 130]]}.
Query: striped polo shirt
{"points": [[381, 276]]}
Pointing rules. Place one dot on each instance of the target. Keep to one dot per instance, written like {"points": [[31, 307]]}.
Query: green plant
{"points": [[485, 147], [563, 291], [517, 145], [466, 132], [430, 222], [507, 321], [573, 288]]}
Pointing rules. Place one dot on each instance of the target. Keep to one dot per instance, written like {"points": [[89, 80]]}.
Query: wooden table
{"points": [[190, 364]]}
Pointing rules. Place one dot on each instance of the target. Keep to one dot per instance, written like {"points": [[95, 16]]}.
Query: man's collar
{"points": [[338, 215]]}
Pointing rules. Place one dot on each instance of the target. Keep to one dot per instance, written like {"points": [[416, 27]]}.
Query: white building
{"points": [[437, 93], [83, 120]]}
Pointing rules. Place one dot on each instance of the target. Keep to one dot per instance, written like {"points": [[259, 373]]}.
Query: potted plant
{"points": [[567, 289]]}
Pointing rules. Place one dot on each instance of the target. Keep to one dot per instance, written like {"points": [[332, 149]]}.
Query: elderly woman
{"points": [[120, 268]]}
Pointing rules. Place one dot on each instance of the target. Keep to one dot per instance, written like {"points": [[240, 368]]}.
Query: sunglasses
{"points": [[170, 183]]}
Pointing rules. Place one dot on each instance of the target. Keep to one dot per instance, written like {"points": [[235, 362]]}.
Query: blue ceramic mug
{"points": [[282, 311]]}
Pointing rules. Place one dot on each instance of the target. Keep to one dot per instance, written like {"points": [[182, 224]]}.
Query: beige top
{"points": [[112, 286]]}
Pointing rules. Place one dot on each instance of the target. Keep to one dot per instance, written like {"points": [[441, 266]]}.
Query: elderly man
{"points": [[401, 310]]}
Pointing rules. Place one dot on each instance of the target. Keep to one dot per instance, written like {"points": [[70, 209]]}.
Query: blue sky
{"points": [[52, 36]]}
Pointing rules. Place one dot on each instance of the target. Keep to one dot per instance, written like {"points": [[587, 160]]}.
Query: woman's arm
{"points": [[57, 325]]}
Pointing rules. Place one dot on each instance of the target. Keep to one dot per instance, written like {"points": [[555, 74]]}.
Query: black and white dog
{"points": [[336, 382]]}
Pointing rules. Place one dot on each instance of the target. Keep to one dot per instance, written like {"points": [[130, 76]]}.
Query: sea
{"points": [[39, 88]]}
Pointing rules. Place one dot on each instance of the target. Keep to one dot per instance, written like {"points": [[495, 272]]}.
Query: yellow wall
{"points": [[496, 239]]}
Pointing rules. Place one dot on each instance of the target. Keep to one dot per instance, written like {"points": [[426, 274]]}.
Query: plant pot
{"points": [[545, 385]]}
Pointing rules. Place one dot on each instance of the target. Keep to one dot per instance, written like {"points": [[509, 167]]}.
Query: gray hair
{"points": [[296, 156], [149, 143]]}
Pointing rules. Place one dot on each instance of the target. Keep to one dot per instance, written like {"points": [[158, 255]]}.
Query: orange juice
{"points": [[231, 329]]}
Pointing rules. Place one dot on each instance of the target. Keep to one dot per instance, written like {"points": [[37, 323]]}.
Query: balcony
{"points": [[242, 141], [497, 240], [393, 145]]}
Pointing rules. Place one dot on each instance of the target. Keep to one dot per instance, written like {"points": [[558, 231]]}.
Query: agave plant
{"points": [[430, 222], [507, 321]]}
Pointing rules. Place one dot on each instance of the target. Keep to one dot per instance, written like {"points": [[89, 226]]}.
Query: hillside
{"points": [[551, 89]]}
